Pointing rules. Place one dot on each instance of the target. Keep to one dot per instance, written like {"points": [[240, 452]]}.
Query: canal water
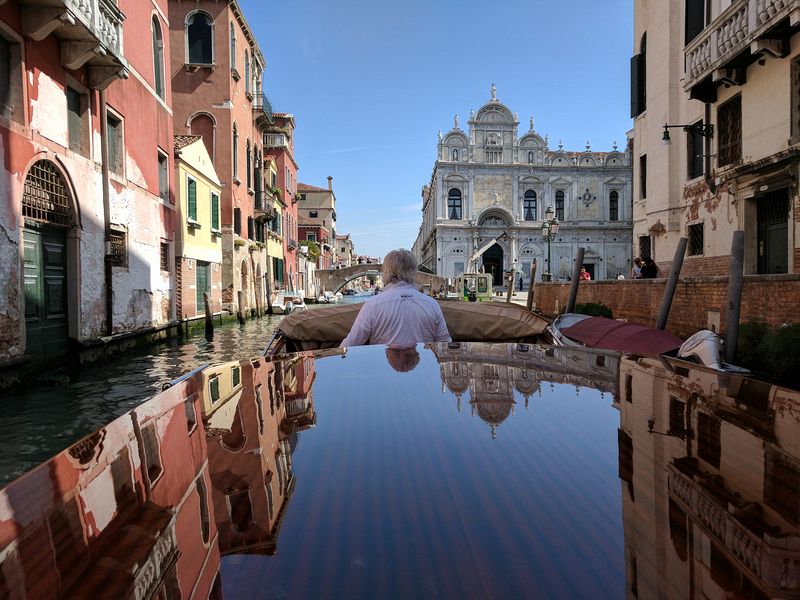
{"points": [[39, 423]]}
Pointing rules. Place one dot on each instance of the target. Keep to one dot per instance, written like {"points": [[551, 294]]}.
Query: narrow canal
{"points": [[39, 423]]}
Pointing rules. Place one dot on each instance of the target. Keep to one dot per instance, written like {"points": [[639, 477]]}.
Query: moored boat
{"points": [[288, 302], [487, 322]]}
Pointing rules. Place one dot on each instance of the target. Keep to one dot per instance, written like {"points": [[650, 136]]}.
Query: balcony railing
{"points": [[732, 33], [262, 204], [762, 557], [262, 105], [275, 140], [291, 243], [91, 34]]}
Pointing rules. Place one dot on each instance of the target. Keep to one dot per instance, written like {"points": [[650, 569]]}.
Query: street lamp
{"points": [[702, 129], [549, 231]]}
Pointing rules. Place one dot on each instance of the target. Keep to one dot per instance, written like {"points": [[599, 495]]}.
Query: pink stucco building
{"points": [[87, 210]]}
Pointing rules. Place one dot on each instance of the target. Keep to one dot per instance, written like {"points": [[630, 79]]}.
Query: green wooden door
{"points": [[45, 257], [202, 281], [773, 232]]}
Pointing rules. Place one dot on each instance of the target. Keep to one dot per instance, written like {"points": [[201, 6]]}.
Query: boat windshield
{"points": [[444, 470]]}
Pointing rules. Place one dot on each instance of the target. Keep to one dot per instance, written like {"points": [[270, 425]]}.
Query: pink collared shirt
{"points": [[400, 317]]}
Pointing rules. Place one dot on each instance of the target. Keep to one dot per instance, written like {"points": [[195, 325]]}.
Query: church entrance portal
{"points": [[493, 263]]}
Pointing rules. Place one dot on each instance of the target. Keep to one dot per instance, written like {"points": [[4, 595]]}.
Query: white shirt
{"points": [[400, 317]]}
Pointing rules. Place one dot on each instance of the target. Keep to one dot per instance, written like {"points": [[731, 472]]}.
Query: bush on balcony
{"points": [[313, 248]]}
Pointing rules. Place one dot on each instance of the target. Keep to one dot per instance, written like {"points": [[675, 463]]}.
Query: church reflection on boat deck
{"points": [[149, 505]]}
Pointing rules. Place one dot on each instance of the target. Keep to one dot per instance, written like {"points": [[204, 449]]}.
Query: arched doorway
{"points": [[493, 263], [49, 215]]}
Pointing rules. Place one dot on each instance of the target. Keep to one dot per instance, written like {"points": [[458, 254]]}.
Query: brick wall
{"points": [[699, 302]]}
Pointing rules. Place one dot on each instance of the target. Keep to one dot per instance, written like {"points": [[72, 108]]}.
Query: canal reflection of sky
{"points": [[401, 486]]}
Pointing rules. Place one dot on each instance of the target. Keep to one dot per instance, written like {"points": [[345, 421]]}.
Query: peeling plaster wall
{"points": [[141, 289], [49, 110]]}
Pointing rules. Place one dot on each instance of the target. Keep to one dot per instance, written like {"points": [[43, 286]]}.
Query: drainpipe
{"points": [[106, 215]]}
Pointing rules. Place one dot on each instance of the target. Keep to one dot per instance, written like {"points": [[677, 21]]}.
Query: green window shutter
{"points": [[191, 186], [214, 211]]}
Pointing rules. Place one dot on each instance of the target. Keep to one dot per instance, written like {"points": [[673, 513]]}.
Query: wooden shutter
{"points": [[191, 187], [637, 85], [214, 211]]}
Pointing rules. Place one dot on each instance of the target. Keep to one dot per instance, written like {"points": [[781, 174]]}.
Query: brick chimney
{"points": [[330, 183]]}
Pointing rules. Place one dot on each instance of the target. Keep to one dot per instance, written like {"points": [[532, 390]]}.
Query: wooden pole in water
{"points": [[672, 283], [269, 292], [733, 306], [576, 278], [532, 285], [240, 313], [209, 317]]}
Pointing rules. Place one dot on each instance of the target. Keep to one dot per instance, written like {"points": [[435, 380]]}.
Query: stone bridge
{"points": [[335, 279]]}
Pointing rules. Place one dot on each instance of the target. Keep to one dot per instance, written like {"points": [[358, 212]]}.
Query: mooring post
{"points": [[209, 317], [269, 294], [532, 285], [240, 313], [733, 306], [672, 283], [576, 278]]}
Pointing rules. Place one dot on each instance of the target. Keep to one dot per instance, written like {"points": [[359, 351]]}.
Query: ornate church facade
{"points": [[490, 180]]}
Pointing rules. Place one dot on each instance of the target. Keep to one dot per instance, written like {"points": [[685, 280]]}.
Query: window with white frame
{"points": [[158, 58]]}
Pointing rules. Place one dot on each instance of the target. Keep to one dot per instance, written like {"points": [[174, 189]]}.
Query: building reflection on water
{"points": [[147, 506], [491, 373], [711, 496]]}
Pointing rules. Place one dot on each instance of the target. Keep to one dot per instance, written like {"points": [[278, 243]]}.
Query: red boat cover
{"points": [[600, 332]]}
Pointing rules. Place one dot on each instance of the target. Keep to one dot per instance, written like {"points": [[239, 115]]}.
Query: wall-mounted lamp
{"points": [[651, 423], [703, 129]]}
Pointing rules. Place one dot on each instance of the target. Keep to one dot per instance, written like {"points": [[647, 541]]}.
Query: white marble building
{"points": [[489, 180]]}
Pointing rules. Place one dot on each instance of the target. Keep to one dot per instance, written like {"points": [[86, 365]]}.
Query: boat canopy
{"points": [[326, 327], [600, 332]]}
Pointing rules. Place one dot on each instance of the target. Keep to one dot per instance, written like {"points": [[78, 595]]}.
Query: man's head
{"points": [[399, 265], [402, 360]]}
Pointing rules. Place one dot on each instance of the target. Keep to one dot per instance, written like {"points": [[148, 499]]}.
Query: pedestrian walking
{"points": [[636, 269], [650, 269], [520, 283]]}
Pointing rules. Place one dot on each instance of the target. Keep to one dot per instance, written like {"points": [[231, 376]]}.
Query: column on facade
{"points": [[471, 195], [516, 205]]}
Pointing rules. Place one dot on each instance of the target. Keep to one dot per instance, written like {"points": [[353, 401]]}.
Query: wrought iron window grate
{"points": [[119, 252], [696, 240], [45, 198]]}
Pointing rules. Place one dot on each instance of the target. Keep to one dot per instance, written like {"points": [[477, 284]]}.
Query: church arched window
{"points": [[529, 205], [454, 204], [560, 205], [613, 206]]}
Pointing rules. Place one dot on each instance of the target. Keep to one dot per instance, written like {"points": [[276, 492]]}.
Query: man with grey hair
{"points": [[399, 316]]}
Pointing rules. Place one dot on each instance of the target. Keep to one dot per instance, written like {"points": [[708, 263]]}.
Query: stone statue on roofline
{"points": [[455, 121], [494, 93]]}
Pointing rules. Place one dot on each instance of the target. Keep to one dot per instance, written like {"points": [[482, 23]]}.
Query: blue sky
{"points": [[370, 83]]}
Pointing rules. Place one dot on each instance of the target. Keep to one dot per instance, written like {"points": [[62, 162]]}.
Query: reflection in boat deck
{"points": [[721, 454], [189, 494]]}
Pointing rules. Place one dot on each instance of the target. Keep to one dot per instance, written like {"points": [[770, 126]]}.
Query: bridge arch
{"points": [[335, 279]]}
